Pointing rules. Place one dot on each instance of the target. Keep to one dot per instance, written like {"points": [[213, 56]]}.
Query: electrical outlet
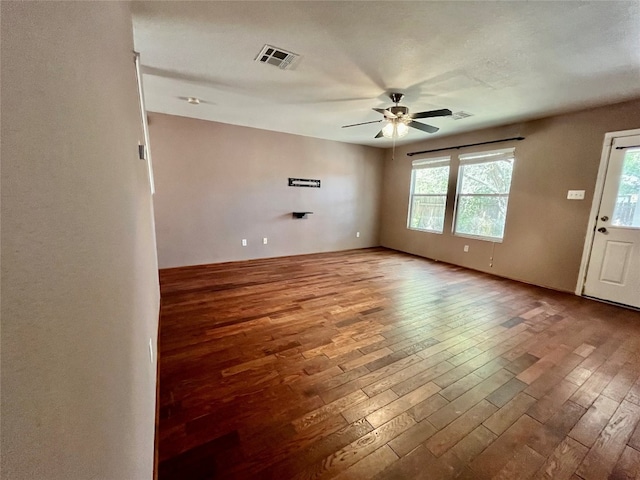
{"points": [[466, 248], [244, 242], [265, 241], [575, 195], [357, 234]]}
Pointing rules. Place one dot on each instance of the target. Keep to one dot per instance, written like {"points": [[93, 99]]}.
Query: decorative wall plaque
{"points": [[304, 182]]}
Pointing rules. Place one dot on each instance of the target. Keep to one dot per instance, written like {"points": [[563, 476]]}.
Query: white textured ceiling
{"points": [[502, 61]]}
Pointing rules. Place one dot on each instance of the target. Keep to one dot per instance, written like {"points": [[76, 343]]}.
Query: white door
{"points": [[614, 265]]}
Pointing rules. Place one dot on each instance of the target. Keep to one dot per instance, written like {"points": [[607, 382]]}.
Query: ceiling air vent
{"points": [[460, 115], [276, 56]]}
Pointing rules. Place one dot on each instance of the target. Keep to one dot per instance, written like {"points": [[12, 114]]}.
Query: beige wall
{"points": [[217, 184], [79, 276], [545, 232]]}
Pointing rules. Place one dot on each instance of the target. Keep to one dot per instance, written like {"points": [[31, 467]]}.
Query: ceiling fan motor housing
{"points": [[399, 110]]}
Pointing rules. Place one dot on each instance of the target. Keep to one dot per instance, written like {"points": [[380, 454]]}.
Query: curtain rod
{"points": [[411, 154]]}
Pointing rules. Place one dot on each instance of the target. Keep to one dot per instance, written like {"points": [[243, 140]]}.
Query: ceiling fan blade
{"points": [[384, 112], [363, 123], [445, 112], [379, 134], [424, 127]]}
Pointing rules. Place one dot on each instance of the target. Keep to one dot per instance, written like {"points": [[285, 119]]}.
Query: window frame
{"points": [[424, 164], [475, 158]]}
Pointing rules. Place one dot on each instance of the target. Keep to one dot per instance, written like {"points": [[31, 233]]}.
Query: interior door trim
{"points": [[595, 205]]}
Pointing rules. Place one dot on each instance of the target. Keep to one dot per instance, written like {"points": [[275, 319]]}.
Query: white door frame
{"points": [[595, 205]]}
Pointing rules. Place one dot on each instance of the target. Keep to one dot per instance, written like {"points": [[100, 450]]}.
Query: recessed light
{"points": [[193, 100]]}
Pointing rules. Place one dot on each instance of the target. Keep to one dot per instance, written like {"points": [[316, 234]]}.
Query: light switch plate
{"points": [[575, 195]]}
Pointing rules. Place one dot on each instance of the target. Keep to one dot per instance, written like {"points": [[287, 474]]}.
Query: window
{"points": [[429, 181], [484, 180], [627, 209]]}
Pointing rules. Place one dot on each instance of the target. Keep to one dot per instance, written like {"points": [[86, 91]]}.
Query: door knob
{"points": [[602, 230], [604, 218]]}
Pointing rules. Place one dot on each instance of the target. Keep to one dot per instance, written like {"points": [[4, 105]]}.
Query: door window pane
{"points": [[627, 210]]}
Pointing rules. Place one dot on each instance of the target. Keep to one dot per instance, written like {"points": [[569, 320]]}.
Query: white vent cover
{"points": [[276, 56], [460, 115]]}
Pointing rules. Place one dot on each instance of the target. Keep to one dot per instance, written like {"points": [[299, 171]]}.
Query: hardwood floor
{"points": [[376, 364]]}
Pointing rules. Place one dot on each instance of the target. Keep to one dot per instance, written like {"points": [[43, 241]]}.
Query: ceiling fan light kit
{"points": [[399, 119], [395, 129]]}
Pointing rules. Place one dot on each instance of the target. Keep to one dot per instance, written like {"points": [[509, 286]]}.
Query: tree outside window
{"points": [[429, 182], [484, 181]]}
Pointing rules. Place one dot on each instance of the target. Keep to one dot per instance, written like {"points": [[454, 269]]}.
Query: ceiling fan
{"points": [[399, 119]]}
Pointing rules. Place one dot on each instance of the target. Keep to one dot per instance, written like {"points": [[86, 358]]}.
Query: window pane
{"points": [[427, 213], [627, 210], [481, 216], [481, 208], [488, 177], [431, 180]]}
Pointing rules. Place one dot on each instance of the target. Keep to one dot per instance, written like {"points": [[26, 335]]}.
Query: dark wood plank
{"points": [[420, 464], [425, 408], [509, 413], [343, 458], [370, 465], [523, 465], [402, 404], [506, 392], [411, 438], [628, 466], [566, 418], [493, 459], [453, 410], [604, 454], [459, 428], [593, 422], [563, 461]]}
